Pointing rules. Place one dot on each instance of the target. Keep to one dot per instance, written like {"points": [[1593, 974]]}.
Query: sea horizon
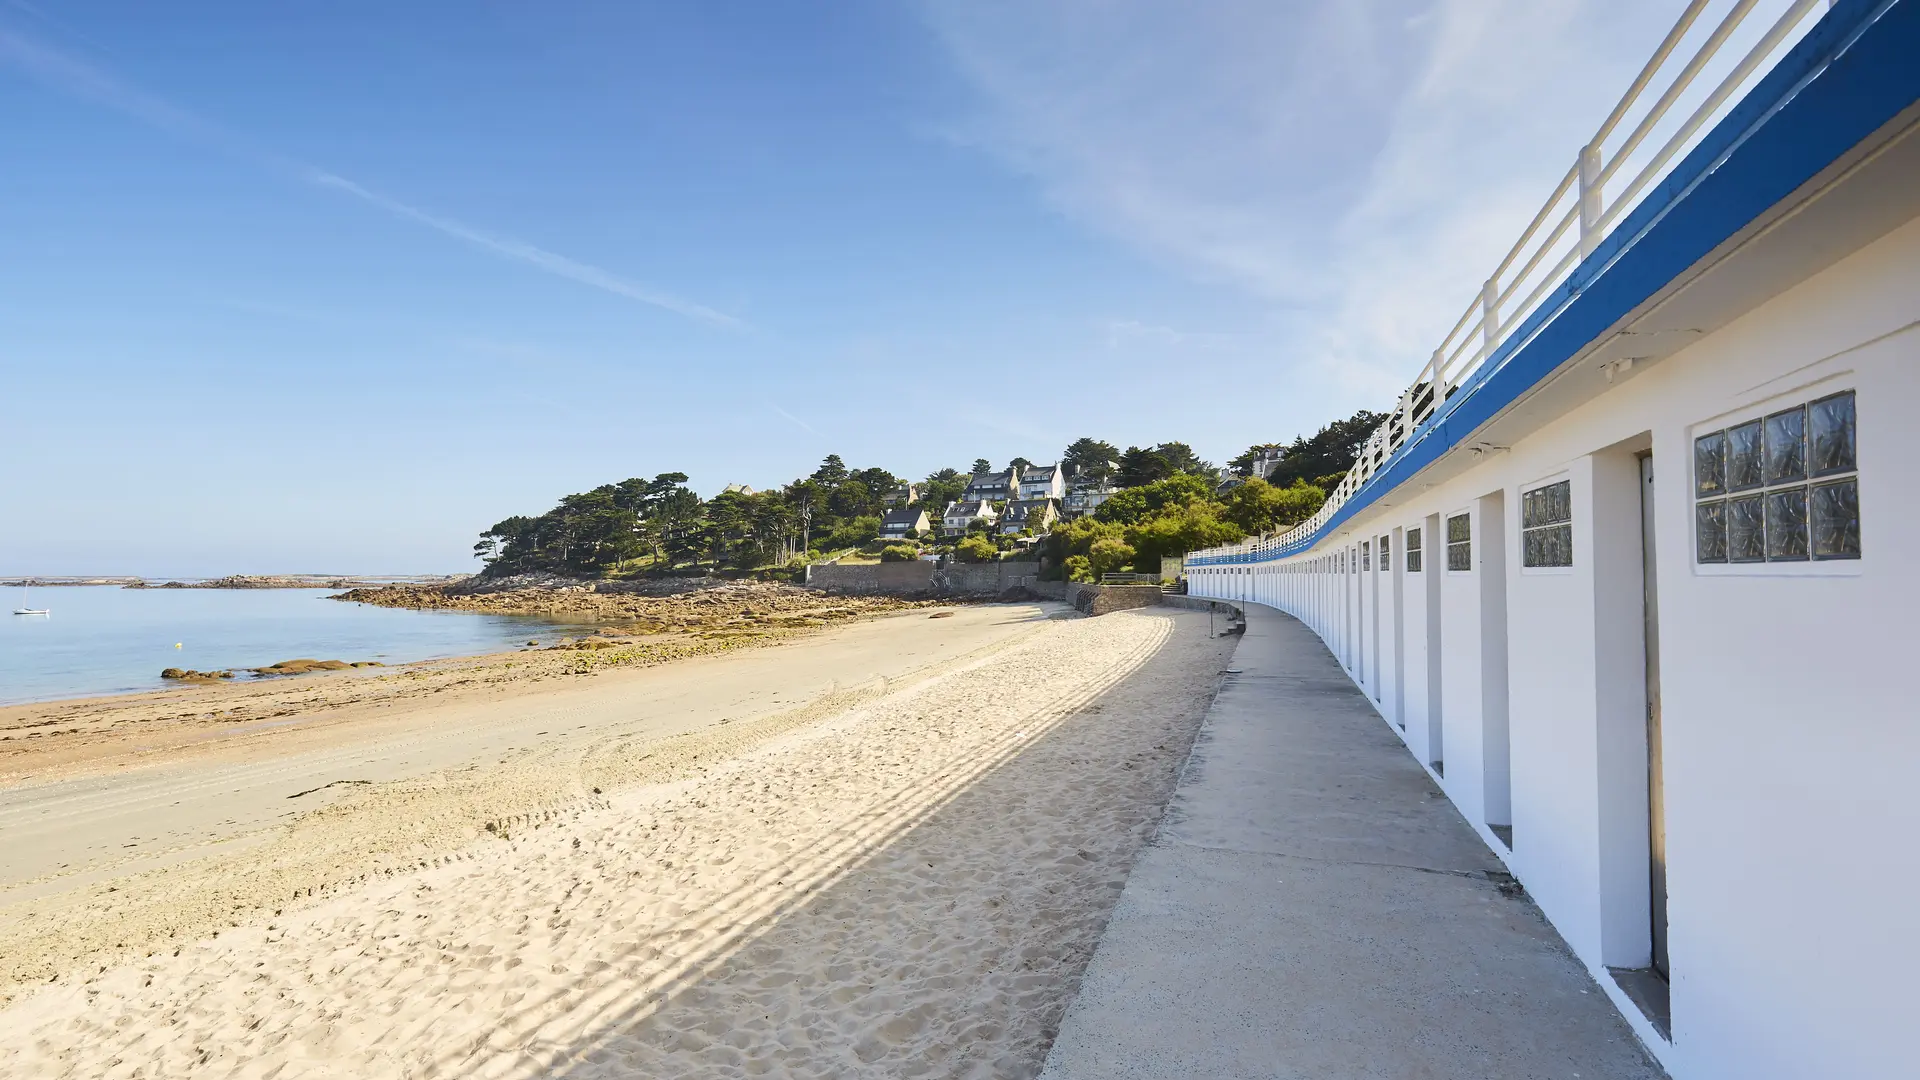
{"points": [[104, 640], [61, 580]]}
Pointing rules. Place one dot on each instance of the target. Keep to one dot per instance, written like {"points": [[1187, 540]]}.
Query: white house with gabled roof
{"points": [[994, 487], [963, 513], [1042, 482], [1028, 514]]}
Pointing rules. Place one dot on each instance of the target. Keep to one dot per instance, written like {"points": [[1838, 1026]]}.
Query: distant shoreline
{"points": [[235, 581]]}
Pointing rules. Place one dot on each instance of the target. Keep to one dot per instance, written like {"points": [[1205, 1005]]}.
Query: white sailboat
{"points": [[23, 609]]}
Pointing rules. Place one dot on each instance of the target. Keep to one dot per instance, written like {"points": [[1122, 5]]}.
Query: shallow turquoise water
{"points": [[108, 640]]}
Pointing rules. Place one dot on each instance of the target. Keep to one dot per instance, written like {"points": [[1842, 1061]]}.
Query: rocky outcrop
{"points": [[301, 667], [747, 605], [190, 675], [482, 585], [282, 581]]}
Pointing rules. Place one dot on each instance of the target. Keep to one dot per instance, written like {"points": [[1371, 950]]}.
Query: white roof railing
{"points": [[1590, 200]]}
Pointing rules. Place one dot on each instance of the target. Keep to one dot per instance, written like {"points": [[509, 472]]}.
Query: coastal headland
{"points": [[644, 605], [891, 839]]}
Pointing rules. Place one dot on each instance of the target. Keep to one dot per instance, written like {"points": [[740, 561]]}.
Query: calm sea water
{"points": [[109, 640]]}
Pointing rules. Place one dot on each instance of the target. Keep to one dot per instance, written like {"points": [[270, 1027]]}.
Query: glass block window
{"points": [[1413, 551], [1743, 457], [1460, 542], [1386, 553], [1786, 443], [1830, 435], [1834, 513], [1710, 531], [1781, 488], [1746, 530], [1546, 525], [1366, 555], [1710, 465]]}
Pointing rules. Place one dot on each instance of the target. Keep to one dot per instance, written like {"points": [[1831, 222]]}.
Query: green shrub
{"points": [[899, 553], [1109, 556], [1258, 507], [1078, 569], [976, 549], [1134, 505], [852, 533], [1188, 528]]}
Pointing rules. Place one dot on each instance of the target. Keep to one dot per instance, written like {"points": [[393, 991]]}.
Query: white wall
{"points": [[1460, 665], [1392, 630], [1791, 738], [1496, 551], [1552, 703]]}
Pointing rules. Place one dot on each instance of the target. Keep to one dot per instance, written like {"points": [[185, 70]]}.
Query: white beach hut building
{"points": [[1627, 568]]}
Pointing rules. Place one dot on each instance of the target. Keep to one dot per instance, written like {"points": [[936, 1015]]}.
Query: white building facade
{"points": [[1042, 482], [1633, 587], [960, 515]]}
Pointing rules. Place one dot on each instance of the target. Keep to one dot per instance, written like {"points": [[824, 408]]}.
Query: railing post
{"points": [[1489, 316], [1591, 203]]}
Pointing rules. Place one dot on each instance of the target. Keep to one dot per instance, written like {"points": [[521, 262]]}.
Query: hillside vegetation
{"points": [[1169, 501]]}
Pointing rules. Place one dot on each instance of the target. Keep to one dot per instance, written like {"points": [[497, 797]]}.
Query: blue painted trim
{"points": [[1850, 74]]}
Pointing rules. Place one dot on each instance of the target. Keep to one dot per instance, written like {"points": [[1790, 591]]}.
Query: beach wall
{"points": [[1201, 603], [1102, 599], [893, 579], [929, 579]]}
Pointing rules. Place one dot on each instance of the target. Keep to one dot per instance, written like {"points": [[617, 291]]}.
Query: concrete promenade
{"points": [[1314, 908]]}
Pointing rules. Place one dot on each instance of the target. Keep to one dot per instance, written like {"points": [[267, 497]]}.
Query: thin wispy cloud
{"points": [[552, 263], [797, 422], [62, 26], [1354, 167], [70, 75]]}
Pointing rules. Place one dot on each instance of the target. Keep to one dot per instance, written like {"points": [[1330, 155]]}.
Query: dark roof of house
{"points": [[902, 517], [969, 507], [1019, 509]]}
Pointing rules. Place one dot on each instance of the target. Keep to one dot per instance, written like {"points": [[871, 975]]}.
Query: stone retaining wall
{"points": [[922, 578], [1201, 603], [887, 578], [1101, 599]]}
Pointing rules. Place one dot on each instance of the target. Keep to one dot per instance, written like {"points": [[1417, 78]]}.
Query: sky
{"points": [[333, 287]]}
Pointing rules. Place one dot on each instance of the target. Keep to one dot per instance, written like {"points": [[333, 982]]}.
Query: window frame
{"points": [[1448, 543], [1771, 414], [1521, 529]]}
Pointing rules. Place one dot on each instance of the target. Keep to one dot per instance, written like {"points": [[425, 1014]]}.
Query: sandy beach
{"points": [[886, 849]]}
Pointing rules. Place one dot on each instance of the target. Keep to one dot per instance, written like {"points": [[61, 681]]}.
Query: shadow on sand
{"points": [[941, 931]]}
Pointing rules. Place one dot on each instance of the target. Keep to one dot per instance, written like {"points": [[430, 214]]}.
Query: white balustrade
{"points": [[1577, 218]]}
